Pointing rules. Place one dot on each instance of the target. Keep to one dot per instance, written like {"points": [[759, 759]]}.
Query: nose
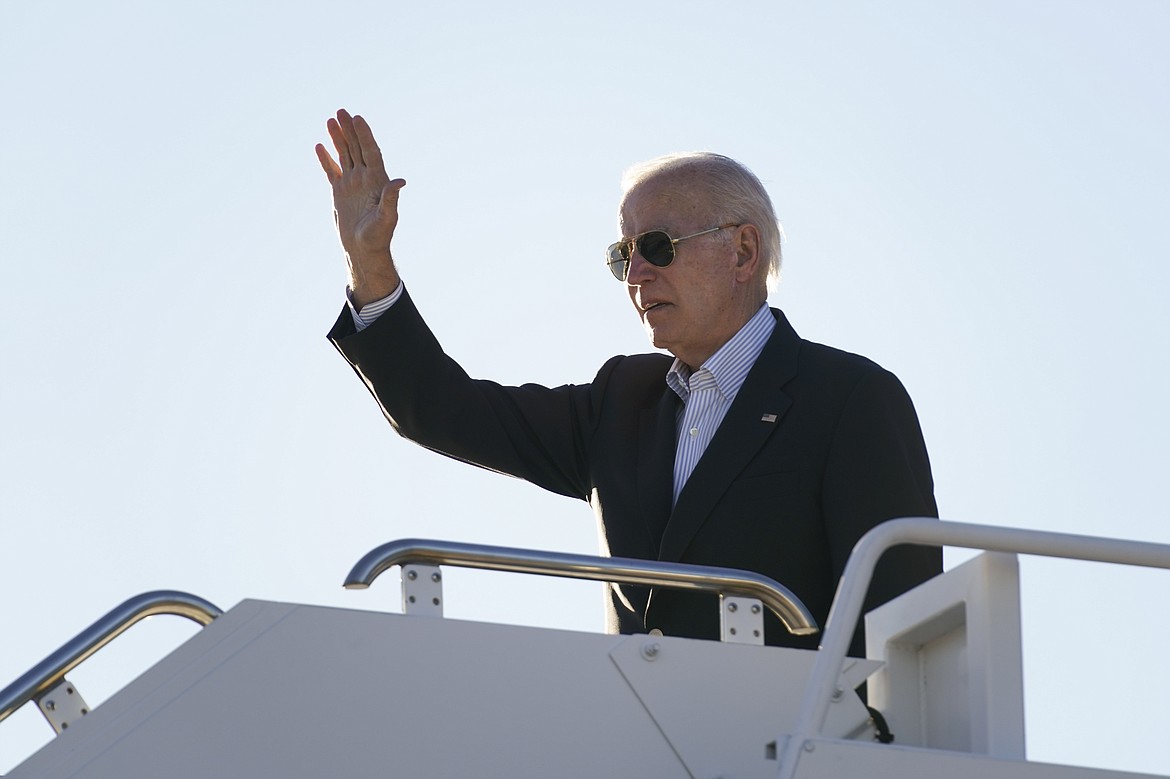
{"points": [[640, 271]]}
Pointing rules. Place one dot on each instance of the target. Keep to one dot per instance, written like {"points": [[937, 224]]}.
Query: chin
{"points": [[660, 344], [653, 336]]}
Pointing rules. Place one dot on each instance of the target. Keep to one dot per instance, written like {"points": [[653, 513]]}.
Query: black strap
{"points": [[883, 728]]}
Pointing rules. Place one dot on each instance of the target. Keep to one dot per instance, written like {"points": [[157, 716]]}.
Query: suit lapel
{"points": [[752, 419]]}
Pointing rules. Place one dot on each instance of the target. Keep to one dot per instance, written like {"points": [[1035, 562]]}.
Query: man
{"points": [[750, 449]]}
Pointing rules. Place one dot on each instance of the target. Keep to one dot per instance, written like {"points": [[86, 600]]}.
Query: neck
{"points": [[695, 359]]}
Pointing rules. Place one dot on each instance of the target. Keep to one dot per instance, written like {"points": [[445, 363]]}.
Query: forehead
{"points": [[666, 202]]}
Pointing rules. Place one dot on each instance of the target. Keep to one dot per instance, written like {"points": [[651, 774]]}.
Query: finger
{"points": [[332, 171], [341, 144], [369, 147], [355, 149]]}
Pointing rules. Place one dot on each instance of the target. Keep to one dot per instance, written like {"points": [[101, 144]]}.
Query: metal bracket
{"points": [[62, 705], [422, 590], [741, 620]]}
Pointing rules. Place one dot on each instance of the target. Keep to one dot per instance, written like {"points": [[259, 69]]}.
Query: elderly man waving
{"points": [[749, 448]]}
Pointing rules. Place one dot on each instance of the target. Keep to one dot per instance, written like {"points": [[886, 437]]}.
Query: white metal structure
{"points": [[272, 689]]}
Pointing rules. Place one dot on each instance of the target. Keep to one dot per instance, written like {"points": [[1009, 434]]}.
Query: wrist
{"points": [[368, 293], [367, 285]]}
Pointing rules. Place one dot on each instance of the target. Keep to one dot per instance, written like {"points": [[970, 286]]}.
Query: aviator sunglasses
{"points": [[655, 246]]}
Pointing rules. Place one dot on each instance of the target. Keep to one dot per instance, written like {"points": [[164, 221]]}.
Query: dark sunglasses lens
{"points": [[656, 248], [619, 260]]}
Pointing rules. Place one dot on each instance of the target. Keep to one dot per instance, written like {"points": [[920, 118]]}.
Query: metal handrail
{"points": [[924, 531], [778, 598], [52, 669]]}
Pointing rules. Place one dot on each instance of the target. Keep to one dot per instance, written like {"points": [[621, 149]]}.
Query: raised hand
{"points": [[365, 206]]}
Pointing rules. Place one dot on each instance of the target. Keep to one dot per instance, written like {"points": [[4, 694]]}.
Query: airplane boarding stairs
{"points": [[275, 689]]}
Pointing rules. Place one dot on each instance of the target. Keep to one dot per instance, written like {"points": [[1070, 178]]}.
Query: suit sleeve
{"points": [[531, 432], [878, 470]]}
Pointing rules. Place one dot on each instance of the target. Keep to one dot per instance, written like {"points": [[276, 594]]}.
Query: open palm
{"points": [[365, 205]]}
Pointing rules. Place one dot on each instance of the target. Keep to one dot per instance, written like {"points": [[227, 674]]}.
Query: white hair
{"points": [[733, 191]]}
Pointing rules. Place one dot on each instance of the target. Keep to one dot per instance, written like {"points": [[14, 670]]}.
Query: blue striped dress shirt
{"points": [[708, 392], [371, 311]]}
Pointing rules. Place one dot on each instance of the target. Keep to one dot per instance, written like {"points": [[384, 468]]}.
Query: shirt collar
{"points": [[730, 364]]}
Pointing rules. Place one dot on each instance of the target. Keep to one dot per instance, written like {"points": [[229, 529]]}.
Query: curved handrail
{"points": [[623, 570], [53, 668], [926, 531]]}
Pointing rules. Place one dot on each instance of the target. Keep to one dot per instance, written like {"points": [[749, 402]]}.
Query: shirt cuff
{"points": [[370, 312]]}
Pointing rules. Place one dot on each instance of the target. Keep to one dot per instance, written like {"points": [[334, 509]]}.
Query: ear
{"points": [[747, 253]]}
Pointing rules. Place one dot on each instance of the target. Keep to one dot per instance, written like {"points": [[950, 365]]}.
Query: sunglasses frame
{"points": [[620, 267]]}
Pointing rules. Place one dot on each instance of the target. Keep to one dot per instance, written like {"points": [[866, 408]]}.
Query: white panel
{"points": [[954, 669], [720, 705], [297, 691], [946, 710], [850, 760]]}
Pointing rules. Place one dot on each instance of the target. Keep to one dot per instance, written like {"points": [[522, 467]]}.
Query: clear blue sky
{"points": [[975, 195]]}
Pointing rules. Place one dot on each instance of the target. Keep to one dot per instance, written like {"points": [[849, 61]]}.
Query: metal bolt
{"points": [[435, 601], [810, 746], [756, 633], [412, 574], [732, 606], [435, 577], [837, 693], [411, 599], [733, 631], [755, 608], [50, 706], [650, 650]]}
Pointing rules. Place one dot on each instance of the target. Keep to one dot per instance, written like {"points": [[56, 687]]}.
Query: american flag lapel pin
{"points": [[768, 418]]}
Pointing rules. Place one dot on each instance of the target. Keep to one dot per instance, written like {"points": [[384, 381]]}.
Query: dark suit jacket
{"points": [[818, 447]]}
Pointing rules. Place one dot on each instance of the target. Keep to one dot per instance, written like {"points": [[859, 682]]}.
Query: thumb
{"points": [[388, 204]]}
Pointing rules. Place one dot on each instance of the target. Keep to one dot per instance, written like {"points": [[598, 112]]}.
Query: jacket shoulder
{"points": [[829, 358]]}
